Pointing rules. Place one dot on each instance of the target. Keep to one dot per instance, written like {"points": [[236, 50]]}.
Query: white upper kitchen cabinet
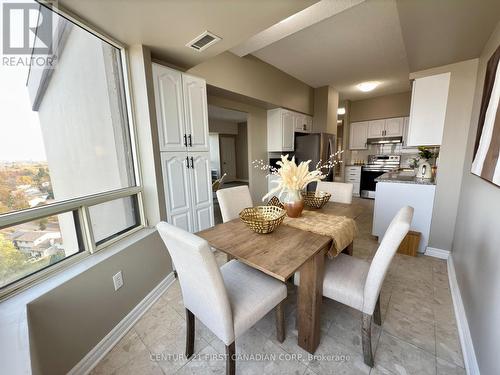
{"points": [[428, 110], [358, 135], [394, 127], [376, 128], [280, 130], [303, 123], [196, 112], [169, 108]]}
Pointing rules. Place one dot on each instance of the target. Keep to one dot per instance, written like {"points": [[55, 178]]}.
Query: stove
{"points": [[377, 165]]}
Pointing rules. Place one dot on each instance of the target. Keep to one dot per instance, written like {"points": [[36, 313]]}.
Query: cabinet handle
{"points": [[185, 140], [187, 162], [304, 127], [192, 162], [190, 140]]}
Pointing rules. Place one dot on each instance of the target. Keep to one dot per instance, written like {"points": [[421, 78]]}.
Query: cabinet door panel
{"points": [[169, 108], [309, 123], [196, 113], [376, 128], [288, 126], [428, 110], [176, 183], [201, 190], [357, 135], [394, 127]]}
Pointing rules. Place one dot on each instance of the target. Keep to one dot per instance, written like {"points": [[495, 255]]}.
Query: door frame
{"points": [[234, 136]]}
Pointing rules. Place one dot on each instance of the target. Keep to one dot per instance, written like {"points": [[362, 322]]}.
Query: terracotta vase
{"points": [[293, 202]]}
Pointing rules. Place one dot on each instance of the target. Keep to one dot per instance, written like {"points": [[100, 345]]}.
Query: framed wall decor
{"points": [[486, 163]]}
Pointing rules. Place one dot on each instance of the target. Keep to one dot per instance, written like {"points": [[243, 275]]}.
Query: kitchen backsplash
{"points": [[406, 153]]}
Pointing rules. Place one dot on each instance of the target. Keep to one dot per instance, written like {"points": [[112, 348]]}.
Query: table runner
{"points": [[341, 229]]}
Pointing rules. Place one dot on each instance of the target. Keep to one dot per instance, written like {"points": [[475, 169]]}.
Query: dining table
{"points": [[281, 254]]}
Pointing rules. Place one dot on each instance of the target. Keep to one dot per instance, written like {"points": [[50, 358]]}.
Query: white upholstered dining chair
{"points": [[357, 283], [233, 200], [229, 300], [341, 191]]}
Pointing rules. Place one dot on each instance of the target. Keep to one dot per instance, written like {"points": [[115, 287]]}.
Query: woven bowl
{"points": [[262, 219], [315, 199]]}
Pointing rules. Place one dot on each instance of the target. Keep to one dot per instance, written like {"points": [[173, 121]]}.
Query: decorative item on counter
{"points": [[316, 199], [424, 167], [414, 164], [294, 178], [262, 219]]}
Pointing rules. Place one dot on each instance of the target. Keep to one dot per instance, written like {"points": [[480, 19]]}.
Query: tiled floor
{"points": [[418, 334]]}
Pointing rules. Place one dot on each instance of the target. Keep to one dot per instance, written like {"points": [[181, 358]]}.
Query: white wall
{"points": [[476, 250], [453, 146]]}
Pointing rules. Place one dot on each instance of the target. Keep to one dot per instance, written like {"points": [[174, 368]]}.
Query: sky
{"points": [[20, 132]]}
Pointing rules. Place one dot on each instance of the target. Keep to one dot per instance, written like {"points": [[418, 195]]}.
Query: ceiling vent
{"points": [[203, 41]]}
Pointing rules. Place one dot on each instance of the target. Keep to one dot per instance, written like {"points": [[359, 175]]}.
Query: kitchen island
{"points": [[398, 189]]}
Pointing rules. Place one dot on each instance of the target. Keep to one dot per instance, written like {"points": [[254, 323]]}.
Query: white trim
{"points": [[437, 253], [93, 357], [468, 352]]}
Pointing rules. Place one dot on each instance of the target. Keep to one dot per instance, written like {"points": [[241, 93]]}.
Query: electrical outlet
{"points": [[118, 280]]}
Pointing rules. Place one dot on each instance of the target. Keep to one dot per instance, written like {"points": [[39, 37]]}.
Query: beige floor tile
{"points": [[127, 349], [399, 357], [412, 329], [446, 368], [448, 344], [158, 322], [331, 357], [207, 361], [140, 365]]}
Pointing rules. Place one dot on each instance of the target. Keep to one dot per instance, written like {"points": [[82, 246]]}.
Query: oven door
{"points": [[368, 183]]}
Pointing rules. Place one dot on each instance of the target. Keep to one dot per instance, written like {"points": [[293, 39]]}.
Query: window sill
{"points": [[14, 338]]}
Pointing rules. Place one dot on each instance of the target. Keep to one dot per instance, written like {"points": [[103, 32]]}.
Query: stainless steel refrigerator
{"points": [[315, 147]]}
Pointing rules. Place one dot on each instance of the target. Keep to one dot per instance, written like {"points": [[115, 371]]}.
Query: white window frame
{"points": [[82, 204]]}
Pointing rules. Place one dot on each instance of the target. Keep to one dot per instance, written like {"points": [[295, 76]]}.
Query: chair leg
{"points": [[377, 316], [230, 359], [280, 322], [189, 333], [366, 334]]}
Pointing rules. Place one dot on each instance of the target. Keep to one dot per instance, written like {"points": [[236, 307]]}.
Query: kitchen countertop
{"points": [[403, 177]]}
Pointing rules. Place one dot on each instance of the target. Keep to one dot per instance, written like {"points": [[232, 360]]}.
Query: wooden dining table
{"points": [[282, 253]]}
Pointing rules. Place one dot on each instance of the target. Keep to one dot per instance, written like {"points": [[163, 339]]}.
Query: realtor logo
{"points": [[27, 29]]}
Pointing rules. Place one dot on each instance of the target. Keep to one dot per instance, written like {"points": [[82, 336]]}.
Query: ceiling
{"points": [[362, 43], [223, 114], [383, 40], [329, 42], [167, 26]]}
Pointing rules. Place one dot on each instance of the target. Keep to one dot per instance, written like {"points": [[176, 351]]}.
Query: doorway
{"points": [[227, 147]]}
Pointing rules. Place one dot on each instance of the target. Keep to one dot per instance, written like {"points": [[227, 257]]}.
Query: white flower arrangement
{"points": [[293, 176]]}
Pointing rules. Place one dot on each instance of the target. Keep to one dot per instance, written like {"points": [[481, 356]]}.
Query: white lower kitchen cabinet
{"points": [[353, 176], [390, 197], [188, 191]]}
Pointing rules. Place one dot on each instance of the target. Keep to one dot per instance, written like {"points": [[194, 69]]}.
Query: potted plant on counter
{"points": [[426, 156]]}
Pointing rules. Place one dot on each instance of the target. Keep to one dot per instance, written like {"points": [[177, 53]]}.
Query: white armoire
{"points": [[182, 117]]}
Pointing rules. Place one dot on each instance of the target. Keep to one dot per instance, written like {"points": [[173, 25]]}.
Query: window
{"points": [[68, 179]]}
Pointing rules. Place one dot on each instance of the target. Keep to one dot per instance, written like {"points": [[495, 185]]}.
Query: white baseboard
{"points": [[93, 357], [468, 352], [437, 253]]}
